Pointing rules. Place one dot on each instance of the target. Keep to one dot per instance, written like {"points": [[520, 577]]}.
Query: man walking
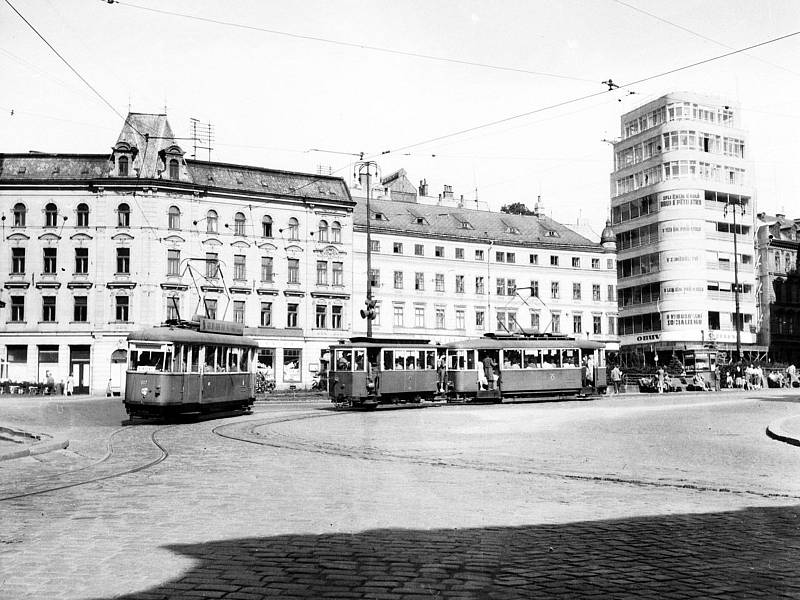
{"points": [[616, 378]]}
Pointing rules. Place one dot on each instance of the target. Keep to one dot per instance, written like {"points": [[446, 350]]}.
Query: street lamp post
{"points": [[365, 168], [737, 318]]}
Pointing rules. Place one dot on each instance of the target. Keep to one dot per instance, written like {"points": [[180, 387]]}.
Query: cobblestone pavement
{"points": [[569, 500]]}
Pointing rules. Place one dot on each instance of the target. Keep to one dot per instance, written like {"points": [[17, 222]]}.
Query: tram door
{"points": [[489, 371]]}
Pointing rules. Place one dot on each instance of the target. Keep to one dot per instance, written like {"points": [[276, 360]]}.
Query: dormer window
{"points": [[379, 216], [174, 169], [551, 233], [122, 166]]}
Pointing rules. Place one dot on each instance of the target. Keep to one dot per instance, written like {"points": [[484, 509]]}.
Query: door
{"points": [[79, 367], [116, 382]]}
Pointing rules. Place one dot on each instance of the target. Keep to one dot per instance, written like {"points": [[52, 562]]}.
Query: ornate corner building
{"points": [[97, 245]]}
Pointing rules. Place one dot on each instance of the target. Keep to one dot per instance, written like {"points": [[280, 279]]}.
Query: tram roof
{"points": [[488, 343], [183, 335]]}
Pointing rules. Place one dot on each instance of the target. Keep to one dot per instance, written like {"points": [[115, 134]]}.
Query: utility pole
{"points": [[737, 318], [365, 168]]}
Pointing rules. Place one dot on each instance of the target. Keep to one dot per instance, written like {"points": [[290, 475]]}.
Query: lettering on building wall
{"points": [[683, 319], [681, 199], [648, 337]]}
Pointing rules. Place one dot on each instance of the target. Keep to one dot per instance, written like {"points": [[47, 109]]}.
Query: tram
{"points": [[190, 368], [497, 367]]}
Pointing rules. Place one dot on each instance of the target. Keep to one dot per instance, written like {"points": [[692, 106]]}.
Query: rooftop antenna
{"points": [[203, 135]]}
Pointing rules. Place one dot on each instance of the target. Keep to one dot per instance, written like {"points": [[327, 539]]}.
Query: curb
{"points": [[778, 432], [35, 449]]}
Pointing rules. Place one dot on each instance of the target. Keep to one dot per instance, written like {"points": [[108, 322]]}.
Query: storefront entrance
{"points": [[79, 357]]}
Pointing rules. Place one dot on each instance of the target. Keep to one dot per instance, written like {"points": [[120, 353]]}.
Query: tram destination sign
{"points": [[226, 327]]}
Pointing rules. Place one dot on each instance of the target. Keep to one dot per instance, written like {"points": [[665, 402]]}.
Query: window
{"points": [[338, 273], [609, 263], [460, 253], [266, 269], [555, 323], [211, 309], [460, 321], [322, 272], [266, 314], [81, 309], [535, 320], [173, 302], [576, 291], [534, 259], [48, 309], [479, 318], [122, 166], [576, 324], [336, 316], [174, 218], [398, 316], [596, 325], [239, 271], [294, 229], [173, 262], [419, 250], [511, 257], [612, 325], [479, 255], [479, 285], [459, 284], [374, 278], [398, 280], [321, 316], [438, 252], [292, 314], [212, 222], [419, 316], [50, 215], [439, 318], [397, 248], [123, 261], [336, 234], [595, 263], [534, 288], [19, 215], [122, 308], [83, 215], [17, 309], [419, 282], [18, 261], [212, 265], [266, 226], [322, 232], [511, 287], [294, 270], [611, 296], [123, 215], [50, 260], [81, 261], [576, 262], [553, 260], [554, 291], [374, 245], [501, 286], [596, 292], [440, 282], [500, 257], [239, 224], [238, 311]]}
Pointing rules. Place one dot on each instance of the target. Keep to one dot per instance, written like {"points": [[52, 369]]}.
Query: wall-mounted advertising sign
{"points": [[682, 320], [681, 199]]}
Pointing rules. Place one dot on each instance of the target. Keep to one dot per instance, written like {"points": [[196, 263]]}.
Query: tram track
{"points": [[110, 453], [247, 432]]}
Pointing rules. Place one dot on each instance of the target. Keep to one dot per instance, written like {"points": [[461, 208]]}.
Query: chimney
{"points": [[448, 192], [423, 187], [537, 211], [780, 215]]}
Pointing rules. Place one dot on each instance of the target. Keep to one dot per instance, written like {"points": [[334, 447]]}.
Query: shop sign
{"points": [[686, 198]]}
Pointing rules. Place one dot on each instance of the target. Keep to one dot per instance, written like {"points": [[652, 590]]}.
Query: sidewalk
{"points": [[786, 430]]}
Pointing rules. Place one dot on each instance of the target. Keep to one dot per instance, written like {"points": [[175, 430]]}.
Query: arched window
{"points": [[777, 261], [323, 231], [336, 232], [211, 221], [294, 229], [173, 169], [83, 215], [123, 215], [122, 166], [266, 226], [19, 215], [238, 224], [174, 217], [51, 215]]}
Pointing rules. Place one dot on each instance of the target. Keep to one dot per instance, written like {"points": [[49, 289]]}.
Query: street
{"points": [[673, 496]]}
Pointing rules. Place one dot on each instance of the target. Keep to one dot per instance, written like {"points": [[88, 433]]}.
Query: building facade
{"points": [[778, 246], [444, 272], [682, 210], [98, 245]]}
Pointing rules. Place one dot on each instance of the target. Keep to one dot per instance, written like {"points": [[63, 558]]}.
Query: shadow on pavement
{"points": [[740, 554]]}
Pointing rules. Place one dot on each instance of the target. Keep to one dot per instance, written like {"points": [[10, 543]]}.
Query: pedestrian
{"points": [[70, 385], [50, 382], [660, 374], [488, 371], [441, 371], [616, 378]]}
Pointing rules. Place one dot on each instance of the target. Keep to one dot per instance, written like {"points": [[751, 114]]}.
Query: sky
{"points": [[386, 78]]}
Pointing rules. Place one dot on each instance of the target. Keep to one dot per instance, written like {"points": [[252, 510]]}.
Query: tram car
{"points": [[497, 367], [190, 368], [366, 372]]}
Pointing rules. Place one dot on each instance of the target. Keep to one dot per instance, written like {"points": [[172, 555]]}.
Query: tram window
{"points": [[533, 359], [410, 362], [244, 360], [358, 356], [470, 359], [177, 361], [344, 359], [551, 359], [399, 360], [194, 358], [388, 360], [512, 359], [452, 360], [210, 358], [420, 359], [233, 360], [430, 360], [147, 360], [571, 358]]}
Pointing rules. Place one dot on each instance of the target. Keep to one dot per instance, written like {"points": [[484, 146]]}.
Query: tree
{"points": [[516, 208]]}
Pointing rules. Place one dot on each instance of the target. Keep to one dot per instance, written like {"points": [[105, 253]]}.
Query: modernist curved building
{"points": [[682, 210]]}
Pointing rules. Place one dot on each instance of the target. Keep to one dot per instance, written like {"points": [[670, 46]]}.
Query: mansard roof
{"points": [[434, 221]]}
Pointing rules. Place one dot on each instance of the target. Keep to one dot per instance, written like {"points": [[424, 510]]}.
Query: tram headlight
{"points": [[145, 391]]}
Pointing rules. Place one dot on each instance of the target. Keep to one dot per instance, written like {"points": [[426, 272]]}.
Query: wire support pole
{"points": [[365, 168], [736, 315]]}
